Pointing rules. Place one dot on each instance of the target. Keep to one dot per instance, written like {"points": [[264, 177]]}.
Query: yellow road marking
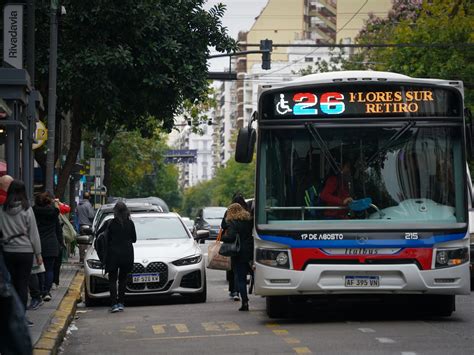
{"points": [[181, 328], [131, 329], [230, 326], [302, 350], [159, 328], [272, 325], [280, 331], [211, 327], [292, 340], [197, 336]]}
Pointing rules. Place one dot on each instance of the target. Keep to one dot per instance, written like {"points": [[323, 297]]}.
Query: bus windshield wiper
{"points": [[323, 146], [399, 133]]}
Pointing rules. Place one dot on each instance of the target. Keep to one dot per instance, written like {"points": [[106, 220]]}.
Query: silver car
{"points": [[167, 261]]}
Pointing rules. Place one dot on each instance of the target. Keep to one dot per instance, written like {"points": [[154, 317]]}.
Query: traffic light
{"points": [[266, 47]]}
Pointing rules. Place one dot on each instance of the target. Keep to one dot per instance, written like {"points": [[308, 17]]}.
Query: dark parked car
{"points": [[209, 218]]}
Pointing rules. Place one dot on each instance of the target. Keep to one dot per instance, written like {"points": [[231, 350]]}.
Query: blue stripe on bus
{"points": [[374, 243]]}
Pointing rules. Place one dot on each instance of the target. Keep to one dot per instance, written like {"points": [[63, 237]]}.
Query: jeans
{"points": [[34, 286], [230, 276], [241, 270], [47, 280], [57, 267], [119, 273], [19, 266]]}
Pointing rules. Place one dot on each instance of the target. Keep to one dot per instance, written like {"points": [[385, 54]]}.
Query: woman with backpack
{"points": [[119, 236], [20, 238]]}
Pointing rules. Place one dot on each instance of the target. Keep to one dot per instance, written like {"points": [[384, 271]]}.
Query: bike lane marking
{"points": [[284, 335]]}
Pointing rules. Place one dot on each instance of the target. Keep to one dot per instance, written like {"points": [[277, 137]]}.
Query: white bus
{"points": [[360, 188]]}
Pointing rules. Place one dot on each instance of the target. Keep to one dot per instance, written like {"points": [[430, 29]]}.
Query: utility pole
{"points": [[53, 63]]}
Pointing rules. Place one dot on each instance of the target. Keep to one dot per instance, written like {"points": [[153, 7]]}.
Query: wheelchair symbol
{"points": [[282, 106]]}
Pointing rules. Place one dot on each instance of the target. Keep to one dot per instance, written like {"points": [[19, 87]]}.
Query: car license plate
{"points": [[362, 281], [143, 278]]}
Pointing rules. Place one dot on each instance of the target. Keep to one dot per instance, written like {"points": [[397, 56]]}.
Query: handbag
{"points": [[231, 249], [214, 259], [36, 269]]}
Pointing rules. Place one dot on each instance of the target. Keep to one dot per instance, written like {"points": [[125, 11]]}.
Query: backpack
{"points": [[100, 245]]}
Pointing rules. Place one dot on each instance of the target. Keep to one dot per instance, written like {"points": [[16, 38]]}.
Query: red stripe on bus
{"points": [[302, 256]]}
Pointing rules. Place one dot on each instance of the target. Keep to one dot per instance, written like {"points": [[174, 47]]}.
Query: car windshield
{"points": [[214, 212], [404, 173], [153, 228]]}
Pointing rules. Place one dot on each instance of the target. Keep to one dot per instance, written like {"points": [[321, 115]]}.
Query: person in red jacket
{"points": [[5, 182], [336, 192]]}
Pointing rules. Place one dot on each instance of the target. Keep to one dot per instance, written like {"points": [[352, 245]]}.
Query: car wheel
{"points": [[201, 296], [277, 306], [438, 305], [89, 301]]}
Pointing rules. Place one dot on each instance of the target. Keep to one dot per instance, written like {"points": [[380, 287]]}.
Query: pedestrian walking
{"points": [[51, 235], [14, 335], [63, 210], [120, 235], [85, 212], [230, 275], [20, 238], [239, 229]]}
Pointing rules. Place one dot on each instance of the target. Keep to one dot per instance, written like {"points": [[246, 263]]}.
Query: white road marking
{"points": [[408, 353], [366, 330], [385, 340]]}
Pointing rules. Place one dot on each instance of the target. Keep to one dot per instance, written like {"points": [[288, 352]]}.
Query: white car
{"points": [[167, 261]]}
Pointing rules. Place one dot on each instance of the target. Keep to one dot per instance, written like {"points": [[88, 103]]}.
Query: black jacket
{"points": [[240, 225], [119, 244], [50, 231]]}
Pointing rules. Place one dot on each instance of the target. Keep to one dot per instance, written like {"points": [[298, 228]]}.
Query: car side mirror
{"points": [[202, 234], [84, 239]]}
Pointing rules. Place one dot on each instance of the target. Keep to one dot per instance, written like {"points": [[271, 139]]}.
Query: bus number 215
{"points": [[411, 236]]}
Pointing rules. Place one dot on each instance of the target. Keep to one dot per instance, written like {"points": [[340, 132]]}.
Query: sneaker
{"points": [[35, 304], [29, 323], [236, 297], [115, 308], [47, 297], [120, 307], [244, 307], [54, 287]]}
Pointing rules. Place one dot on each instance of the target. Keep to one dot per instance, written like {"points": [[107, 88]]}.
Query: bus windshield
{"points": [[375, 175]]}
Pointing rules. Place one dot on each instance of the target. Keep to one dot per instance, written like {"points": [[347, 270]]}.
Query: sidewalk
{"points": [[43, 317]]}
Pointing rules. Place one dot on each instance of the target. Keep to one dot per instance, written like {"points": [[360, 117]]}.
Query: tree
{"points": [[126, 65], [138, 169]]}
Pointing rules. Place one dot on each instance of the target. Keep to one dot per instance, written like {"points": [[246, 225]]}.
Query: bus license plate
{"points": [[362, 281], [143, 278]]}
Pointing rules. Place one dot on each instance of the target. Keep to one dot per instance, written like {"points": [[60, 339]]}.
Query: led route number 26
{"points": [[330, 103]]}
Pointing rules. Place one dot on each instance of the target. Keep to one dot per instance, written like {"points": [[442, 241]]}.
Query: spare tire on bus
{"points": [[245, 145]]}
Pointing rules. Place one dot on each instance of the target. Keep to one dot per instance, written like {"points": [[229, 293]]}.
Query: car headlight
{"points": [[275, 258], [188, 261], [451, 257], [94, 264]]}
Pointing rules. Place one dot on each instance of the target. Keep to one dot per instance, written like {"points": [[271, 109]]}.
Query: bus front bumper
{"points": [[330, 279]]}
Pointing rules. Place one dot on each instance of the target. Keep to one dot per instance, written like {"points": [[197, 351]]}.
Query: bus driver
{"points": [[336, 192]]}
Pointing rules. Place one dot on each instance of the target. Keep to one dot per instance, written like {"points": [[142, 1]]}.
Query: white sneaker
{"points": [[54, 287]]}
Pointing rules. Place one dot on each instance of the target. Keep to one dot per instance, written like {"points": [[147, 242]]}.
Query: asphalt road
{"points": [[171, 326]]}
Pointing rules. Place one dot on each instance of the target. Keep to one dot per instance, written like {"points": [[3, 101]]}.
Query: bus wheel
{"points": [[442, 305], [277, 306]]}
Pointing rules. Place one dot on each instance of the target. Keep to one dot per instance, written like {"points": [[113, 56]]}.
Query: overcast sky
{"points": [[239, 16]]}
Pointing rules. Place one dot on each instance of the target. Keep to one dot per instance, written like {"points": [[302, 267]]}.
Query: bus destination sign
{"points": [[365, 101]]}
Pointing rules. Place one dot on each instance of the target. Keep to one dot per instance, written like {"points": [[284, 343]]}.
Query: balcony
{"points": [[331, 5]]}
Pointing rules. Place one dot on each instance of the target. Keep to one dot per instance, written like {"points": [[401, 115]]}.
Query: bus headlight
{"points": [[451, 257], [275, 258]]}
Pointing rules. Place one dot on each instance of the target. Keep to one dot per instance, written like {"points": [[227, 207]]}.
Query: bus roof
{"points": [[363, 76]]}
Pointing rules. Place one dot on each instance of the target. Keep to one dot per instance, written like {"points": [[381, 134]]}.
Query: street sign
{"points": [[97, 166], [41, 135], [178, 156], [13, 35]]}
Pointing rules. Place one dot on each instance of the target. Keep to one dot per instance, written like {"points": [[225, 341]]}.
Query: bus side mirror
{"points": [[245, 144]]}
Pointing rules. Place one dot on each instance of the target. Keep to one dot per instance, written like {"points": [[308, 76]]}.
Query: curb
{"points": [[52, 336]]}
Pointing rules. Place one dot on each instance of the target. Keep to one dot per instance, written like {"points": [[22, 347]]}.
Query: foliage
{"points": [[127, 65], [138, 169], [234, 177]]}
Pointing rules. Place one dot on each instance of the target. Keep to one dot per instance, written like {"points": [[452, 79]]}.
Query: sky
{"points": [[239, 16]]}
